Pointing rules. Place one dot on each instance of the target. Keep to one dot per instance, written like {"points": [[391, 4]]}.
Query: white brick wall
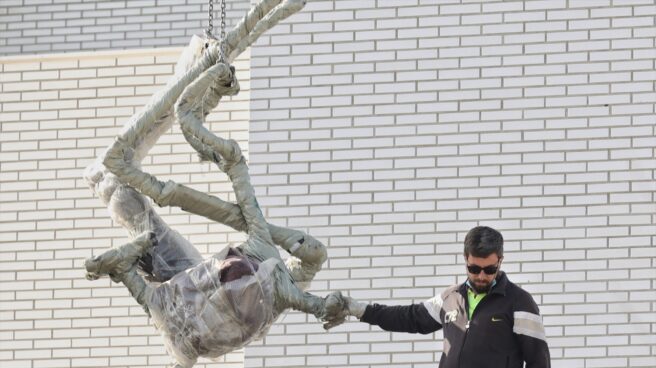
{"points": [[58, 112], [387, 129], [38, 26], [391, 128]]}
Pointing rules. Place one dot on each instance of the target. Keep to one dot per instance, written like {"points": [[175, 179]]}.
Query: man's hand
{"points": [[355, 308]]}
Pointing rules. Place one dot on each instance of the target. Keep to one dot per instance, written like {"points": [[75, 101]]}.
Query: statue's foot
{"points": [[93, 174], [118, 261]]}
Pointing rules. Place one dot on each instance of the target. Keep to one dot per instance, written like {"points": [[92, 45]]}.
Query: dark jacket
{"points": [[505, 329]]}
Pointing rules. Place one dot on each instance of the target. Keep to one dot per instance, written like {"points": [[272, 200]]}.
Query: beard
{"points": [[480, 286]]}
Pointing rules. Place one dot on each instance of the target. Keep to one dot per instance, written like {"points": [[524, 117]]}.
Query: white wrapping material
{"points": [[198, 315]]}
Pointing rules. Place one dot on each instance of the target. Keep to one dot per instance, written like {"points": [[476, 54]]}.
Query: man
{"points": [[488, 321]]}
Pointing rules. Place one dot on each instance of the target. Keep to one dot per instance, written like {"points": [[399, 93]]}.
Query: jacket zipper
{"points": [[464, 340]]}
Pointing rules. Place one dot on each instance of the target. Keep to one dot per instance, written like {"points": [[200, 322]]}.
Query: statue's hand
{"points": [[117, 261], [338, 307], [336, 310]]}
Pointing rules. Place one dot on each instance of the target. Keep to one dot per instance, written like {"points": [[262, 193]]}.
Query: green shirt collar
{"points": [[473, 299]]}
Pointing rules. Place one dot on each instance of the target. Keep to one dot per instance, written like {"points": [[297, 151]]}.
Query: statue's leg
{"points": [[227, 154], [260, 244], [129, 208], [209, 147], [308, 253], [122, 157], [157, 116]]}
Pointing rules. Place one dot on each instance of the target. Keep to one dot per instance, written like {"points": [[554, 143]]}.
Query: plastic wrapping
{"points": [[198, 314], [173, 254]]}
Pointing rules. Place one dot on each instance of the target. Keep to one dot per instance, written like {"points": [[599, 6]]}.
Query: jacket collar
{"points": [[498, 288]]}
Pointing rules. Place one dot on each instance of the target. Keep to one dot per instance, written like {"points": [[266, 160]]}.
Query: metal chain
{"points": [[223, 19], [210, 16], [222, 34], [210, 27]]}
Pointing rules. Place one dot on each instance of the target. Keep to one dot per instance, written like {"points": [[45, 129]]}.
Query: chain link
{"points": [[210, 26], [210, 16], [223, 19]]}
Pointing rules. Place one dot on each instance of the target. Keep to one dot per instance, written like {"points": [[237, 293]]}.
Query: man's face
{"points": [[481, 281]]}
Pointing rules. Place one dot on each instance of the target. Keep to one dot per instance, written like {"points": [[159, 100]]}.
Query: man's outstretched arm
{"points": [[414, 318]]}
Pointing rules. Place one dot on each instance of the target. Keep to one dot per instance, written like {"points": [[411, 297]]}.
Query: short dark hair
{"points": [[482, 241]]}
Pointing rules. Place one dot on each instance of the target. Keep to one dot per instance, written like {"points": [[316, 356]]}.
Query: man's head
{"points": [[483, 256]]}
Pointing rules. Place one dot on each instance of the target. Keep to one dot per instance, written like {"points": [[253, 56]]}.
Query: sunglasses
{"points": [[489, 270]]}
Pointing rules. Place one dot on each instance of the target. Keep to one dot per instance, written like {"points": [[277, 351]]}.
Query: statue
{"points": [[204, 307]]}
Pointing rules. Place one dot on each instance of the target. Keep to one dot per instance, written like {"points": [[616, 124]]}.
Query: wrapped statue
{"points": [[204, 307]]}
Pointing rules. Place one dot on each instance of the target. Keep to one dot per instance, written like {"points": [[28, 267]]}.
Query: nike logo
{"points": [[496, 319]]}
